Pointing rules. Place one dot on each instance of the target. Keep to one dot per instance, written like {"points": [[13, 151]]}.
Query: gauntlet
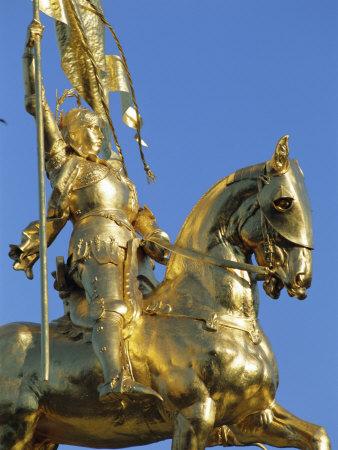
{"points": [[146, 225]]}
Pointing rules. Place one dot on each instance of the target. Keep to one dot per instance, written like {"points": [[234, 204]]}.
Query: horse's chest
{"points": [[255, 372], [247, 376]]}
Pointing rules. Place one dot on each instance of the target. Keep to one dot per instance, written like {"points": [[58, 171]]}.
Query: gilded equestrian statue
{"points": [[197, 342]]}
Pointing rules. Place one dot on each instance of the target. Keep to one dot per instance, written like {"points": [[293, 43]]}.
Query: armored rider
{"points": [[101, 202]]}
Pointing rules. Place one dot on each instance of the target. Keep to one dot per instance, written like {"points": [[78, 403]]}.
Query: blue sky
{"points": [[218, 82]]}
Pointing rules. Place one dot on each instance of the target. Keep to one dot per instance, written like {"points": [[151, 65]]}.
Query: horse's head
{"points": [[261, 209], [279, 229]]}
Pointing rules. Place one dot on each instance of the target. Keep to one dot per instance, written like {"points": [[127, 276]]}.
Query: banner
{"points": [[80, 37]]}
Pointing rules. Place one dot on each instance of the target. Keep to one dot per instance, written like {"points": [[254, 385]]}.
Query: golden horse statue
{"points": [[198, 342]]}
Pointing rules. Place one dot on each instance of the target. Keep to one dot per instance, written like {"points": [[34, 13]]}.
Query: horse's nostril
{"points": [[302, 280]]}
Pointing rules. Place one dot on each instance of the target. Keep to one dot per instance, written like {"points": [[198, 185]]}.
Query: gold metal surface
{"points": [[134, 361], [196, 256], [195, 341], [117, 81], [80, 36], [55, 9], [289, 198], [75, 62]]}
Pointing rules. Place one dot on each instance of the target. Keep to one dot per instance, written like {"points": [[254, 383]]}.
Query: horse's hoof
{"points": [[321, 440], [266, 417]]}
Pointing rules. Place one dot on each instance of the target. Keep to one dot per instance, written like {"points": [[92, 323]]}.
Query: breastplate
{"points": [[109, 191]]}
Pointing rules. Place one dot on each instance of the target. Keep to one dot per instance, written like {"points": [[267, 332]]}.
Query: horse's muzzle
{"points": [[296, 286], [299, 287]]}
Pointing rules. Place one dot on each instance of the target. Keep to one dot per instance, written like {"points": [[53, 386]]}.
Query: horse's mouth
{"points": [[273, 286], [275, 283]]}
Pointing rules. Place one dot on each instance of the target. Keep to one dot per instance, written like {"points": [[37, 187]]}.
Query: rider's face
{"points": [[92, 139], [88, 139]]}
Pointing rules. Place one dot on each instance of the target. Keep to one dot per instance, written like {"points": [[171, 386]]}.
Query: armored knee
{"points": [[115, 306], [101, 307]]}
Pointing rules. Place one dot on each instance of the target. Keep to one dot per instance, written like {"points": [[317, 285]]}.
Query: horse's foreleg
{"points": [[193, 425], [284, 430], [222, 436], [18, 432], [44, 445]]}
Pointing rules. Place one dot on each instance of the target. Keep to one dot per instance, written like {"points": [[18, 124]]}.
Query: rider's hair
{"points": [[78, 117]]}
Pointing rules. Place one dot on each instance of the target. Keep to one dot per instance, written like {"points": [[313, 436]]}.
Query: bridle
{"points": [[248, 325], [268, 239], [268, 247]]}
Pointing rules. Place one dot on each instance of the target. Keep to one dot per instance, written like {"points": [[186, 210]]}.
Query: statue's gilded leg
{"points": [[18, 431], [193, 426], [222, 436], [107, 344], [285, 430], [44, 445], [103, 284]]}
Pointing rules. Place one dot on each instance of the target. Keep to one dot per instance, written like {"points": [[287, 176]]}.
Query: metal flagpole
{"points": [[42, 204]]}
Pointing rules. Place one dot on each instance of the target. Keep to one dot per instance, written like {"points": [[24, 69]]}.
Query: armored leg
{"points": [[107, 340], [103, 284], [108, 345]]}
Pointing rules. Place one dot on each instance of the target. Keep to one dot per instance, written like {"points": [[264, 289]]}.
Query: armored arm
{"points": [[145, 224], [55, 147], [27, 252]]}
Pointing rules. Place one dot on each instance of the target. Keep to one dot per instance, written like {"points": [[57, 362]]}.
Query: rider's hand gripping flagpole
{"points": [[42, 203]]}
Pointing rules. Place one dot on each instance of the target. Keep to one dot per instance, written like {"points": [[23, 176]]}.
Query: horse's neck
{"points": [[224, 291]]}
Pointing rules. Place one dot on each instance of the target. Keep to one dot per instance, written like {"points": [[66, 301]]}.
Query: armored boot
{"points": [[109, 348]]}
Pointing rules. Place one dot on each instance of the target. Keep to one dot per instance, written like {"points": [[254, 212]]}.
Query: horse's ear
{"points": [[280, 159]]}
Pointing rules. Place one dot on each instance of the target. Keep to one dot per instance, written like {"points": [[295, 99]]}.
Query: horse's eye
{"points": [[283, 204]]}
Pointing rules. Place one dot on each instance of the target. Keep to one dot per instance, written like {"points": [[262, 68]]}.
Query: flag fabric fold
{"points": [[54, 9], [117, 81], [81, 36], [81, 42]]}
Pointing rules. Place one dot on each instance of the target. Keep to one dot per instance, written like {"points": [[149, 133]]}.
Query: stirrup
{"points": [[124, 386]]}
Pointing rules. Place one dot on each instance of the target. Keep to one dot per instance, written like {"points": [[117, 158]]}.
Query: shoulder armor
{"points": [[89, 173]]}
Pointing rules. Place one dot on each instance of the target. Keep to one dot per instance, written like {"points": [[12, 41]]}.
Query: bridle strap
{"points": [[267, 239], [263, 272]]}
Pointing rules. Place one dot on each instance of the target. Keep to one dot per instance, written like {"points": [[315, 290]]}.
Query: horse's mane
{"points": [[185, 238], [250, 172]]}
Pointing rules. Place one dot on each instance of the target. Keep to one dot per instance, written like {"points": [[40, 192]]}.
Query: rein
{"points": [[246, 324], [218, 262]]}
